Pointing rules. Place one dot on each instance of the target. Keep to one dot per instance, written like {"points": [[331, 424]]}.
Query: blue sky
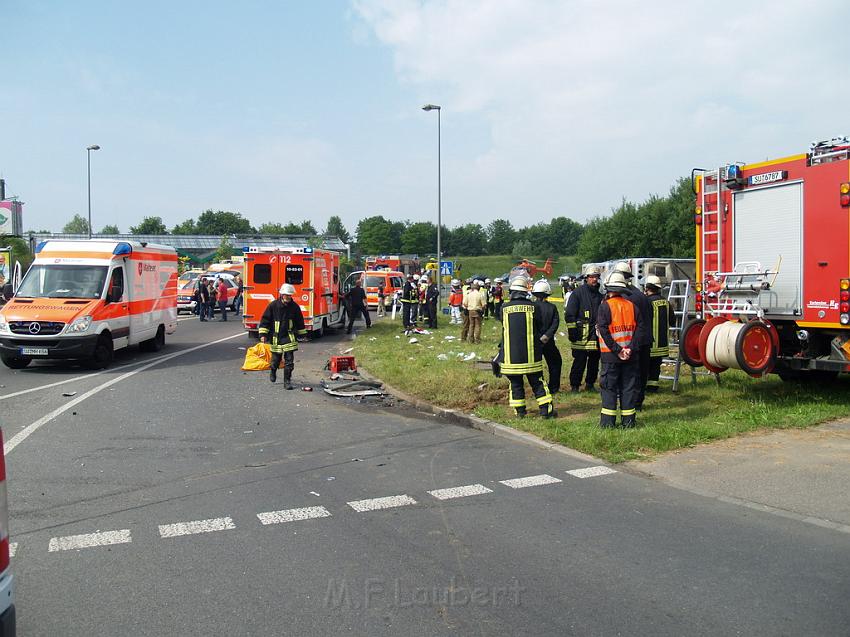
{"points": [[290, 110]]}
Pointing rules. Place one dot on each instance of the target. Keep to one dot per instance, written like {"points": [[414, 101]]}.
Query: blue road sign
{"points": [[447, 268]]}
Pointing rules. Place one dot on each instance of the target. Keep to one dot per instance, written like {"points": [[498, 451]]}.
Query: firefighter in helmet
{"points": [[283, 323], [618, 325], [409, 303], [663, 317], [636, 296], [521, 350], [580, 317], [549, 321]]}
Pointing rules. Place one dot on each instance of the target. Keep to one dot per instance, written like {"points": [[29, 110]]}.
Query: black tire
{"points": [[15, 362], [319, 333], [156, 343], [103, 353], [254, 334]]}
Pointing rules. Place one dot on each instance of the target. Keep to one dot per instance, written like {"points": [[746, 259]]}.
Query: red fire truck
{"points": [[313, 272], [406, 263], [773, 266]]}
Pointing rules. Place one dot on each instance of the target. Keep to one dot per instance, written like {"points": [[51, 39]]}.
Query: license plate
{"points": [[34, 351]]}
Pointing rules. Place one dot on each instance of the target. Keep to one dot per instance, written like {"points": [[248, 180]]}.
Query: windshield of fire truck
{"points": [[63, 282]]}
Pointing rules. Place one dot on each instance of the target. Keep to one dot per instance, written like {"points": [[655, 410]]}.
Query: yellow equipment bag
{"points": [[258, 358]]}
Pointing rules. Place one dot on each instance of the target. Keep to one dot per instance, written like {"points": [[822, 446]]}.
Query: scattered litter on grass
{"points": [[469, 356], [410, 358], [397, 336], [482, 386], [349, 350], [372, 338], [69, 393], [413, 340], [430, 347], [449, 338], [442, 357]]}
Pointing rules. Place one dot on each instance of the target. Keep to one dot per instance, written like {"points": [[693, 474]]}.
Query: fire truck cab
{"points": [[313, 272], [773, 266]]}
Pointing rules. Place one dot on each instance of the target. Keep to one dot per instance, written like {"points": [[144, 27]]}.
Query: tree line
{"points": [[660, 226]]}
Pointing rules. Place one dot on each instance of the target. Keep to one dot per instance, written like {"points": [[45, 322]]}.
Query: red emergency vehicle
{"points": [[773, 266], [406, 263], [313, 272]]}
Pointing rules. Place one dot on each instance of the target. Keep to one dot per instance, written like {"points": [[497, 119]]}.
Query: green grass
{"points": [[497, 265], [698, 413]]}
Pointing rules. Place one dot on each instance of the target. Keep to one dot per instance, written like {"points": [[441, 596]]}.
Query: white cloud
{"points": [[590, 101]]}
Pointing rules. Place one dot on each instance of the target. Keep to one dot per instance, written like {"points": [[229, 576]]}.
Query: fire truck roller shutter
{"points": [[769, 226]]}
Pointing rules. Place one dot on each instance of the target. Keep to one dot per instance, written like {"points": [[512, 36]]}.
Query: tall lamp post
{"points": [[434, 107], [88, 162]]}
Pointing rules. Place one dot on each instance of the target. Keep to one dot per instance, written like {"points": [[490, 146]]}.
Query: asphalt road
{"points": [[186, 497]]}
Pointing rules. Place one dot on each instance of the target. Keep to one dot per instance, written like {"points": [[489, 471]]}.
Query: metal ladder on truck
{"points": [[678, 297], [711, 219]]}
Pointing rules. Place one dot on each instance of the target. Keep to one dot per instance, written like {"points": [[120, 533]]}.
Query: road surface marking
{"points": [[13, 548], [530, 481], [592, 472], [293, 515], [27, 431], [198, 526], [375, 504], [88, 540], [460, 492]]}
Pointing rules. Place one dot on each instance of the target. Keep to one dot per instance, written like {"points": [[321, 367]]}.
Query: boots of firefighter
{"points": [[273, 374], [629, 418], [548, 410], [287, 379], [520, 412]]}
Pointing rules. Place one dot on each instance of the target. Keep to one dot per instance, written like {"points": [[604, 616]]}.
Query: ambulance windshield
{"points": [[63, 282]]}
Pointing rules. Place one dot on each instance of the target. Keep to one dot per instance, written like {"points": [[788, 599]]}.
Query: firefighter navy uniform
{"points": [[662, 318], [580, 318], [549, 322], [282, 324], [520, 354], [409, 304], [618, 326], [643, 354]]}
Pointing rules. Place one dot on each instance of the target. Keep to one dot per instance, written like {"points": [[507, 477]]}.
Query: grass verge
{"points": [[697, 413]]}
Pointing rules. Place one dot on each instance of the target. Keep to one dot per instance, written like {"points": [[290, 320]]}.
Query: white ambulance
{"points": [[86, 299]]}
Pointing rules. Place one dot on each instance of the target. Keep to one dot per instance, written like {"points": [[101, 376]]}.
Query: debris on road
{"points": [[306, 389], [69, 393]]}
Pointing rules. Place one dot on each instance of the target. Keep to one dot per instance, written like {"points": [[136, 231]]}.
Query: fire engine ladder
{"points": [[710, 235], [678, 298]]}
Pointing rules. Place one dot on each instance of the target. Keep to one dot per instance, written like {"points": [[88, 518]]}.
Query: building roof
{"points": [[204, 243]]}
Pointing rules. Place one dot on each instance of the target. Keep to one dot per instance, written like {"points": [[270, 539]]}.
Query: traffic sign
{"points": [[447, 268]]}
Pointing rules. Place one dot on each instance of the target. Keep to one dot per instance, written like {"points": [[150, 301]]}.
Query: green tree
{"points": [[150, 225], [467, 240], [564, 235], [185, 227], [225, 250], [307, 227], [419, 238], [336, 229], [271, 228], [376, 235], [20, 252], [501, 237], [521, 249], [77, 225], [110, 229], [223, 222]]}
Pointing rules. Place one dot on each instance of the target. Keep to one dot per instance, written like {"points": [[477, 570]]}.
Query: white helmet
{"points": [[624, 268], [287, 288], [542, 287], [519, 284], [498, 280], [455, 281], [486, 280], [654, 281], [415, 277], [616, 282], [593, 270]]}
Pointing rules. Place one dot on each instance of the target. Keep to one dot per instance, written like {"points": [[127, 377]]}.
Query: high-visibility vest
{"points": [[660, 326], [623, 324]]}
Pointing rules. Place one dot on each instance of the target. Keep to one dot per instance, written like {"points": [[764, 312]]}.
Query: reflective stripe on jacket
{"points": [[521, 348], [283, 322], [660, 326]]}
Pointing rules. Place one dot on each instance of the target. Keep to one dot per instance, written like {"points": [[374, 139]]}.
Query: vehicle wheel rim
{"points": [[756, 349]]}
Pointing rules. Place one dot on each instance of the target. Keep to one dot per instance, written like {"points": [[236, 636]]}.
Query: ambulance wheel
{"points": [[319, 332], [156, 343], [103, 353], [15, 362], [689, 342]]}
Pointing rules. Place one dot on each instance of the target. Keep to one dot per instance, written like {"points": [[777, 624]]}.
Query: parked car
{"points": [[186, 295]]}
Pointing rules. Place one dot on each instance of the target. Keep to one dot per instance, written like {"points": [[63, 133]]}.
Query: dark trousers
{"points": [[497, 310], [222, 307], [408, 314], [584, 359], [432, 314], [553, 359], [652, 384], [288, 363], [517, 395], [619, 383], [644, 361], [356, 311], [202, 310]]}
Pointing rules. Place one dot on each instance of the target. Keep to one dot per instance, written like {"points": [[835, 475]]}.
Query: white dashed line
{"points": [[592, 472], [293, 515], [198, 526], [374, 504], [530, 481], [88, 540], [13, 548], [460, 492]]}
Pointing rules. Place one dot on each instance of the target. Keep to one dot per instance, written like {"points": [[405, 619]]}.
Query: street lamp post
{"points": [[434, 107], [88, 162]]}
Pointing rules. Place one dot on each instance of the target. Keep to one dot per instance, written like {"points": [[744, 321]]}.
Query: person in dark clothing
{"points": [[357, 306], [496, 294], [521, 350], [636, 296], [409, 304], [283, 323], [203, 298], [662, 317], [549, 321], [382, 298], [580, 317], [432, 294], [619, 327]]}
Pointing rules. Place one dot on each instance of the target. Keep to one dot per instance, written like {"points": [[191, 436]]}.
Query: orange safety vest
{"points": [[623, 324]]}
